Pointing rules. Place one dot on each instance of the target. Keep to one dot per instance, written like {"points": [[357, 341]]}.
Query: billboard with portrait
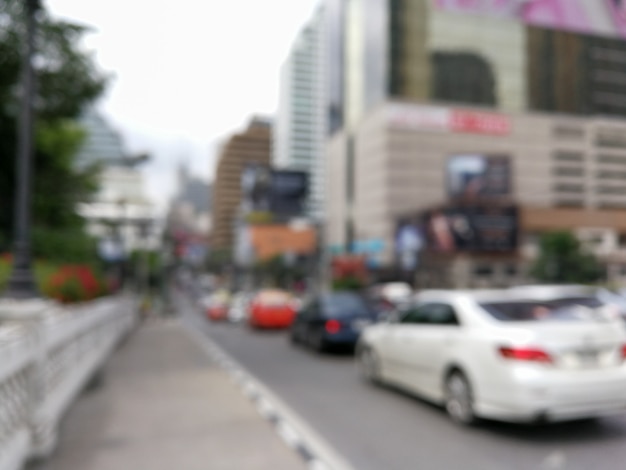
{"points": [[477, 177], [597, 17], [483, 229], [282, 193]]}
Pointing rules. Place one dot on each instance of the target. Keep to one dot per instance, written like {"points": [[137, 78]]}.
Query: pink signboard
{"points": [[598, 17]]}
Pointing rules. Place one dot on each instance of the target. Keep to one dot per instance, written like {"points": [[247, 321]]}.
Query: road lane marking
{"points": [[291, 428]]}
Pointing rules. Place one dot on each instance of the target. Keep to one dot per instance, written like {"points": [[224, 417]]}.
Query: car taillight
{"points": [[624, 352], [525, 354], [333, 326]]}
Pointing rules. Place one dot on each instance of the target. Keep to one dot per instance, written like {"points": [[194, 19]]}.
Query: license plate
{"points": [[587, 357], [358, 325]]}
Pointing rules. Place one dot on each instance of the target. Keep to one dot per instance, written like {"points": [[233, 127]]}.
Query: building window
{"points": [[461, 77], [568, 171], [511, 270], [611, 189], [611, 205], [613, 159], [613, 175], [569, 188], [569, 132], [567, 156], [483, 270], [569, 203], [611, 139]]}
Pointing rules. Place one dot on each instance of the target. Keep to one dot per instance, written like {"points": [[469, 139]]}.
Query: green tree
{"points": [[563, 259], [68, 81]]}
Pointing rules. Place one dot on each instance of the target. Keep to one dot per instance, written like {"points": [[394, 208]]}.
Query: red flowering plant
{"points": [[74, 283], [349, 272]]}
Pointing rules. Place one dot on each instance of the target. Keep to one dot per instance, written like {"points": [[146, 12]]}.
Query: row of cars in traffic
{"points": [[524, 354]]}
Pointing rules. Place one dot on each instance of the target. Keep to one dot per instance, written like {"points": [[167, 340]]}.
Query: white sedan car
{"points": [[503, 355]]}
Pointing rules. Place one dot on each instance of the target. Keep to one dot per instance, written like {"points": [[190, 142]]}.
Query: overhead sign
{"points": [[439, 119]]}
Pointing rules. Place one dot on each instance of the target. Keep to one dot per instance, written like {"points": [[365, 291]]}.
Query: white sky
{"points": [[186, 73]]}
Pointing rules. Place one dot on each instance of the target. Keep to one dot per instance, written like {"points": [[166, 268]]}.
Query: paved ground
{"points": [[164, 406], [381, 429]]}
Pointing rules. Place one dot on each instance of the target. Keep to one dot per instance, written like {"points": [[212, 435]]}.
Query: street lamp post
{"points": [[21, 283]]}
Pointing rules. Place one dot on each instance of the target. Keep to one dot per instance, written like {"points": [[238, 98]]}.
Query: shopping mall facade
{"points": [[528, 103]]}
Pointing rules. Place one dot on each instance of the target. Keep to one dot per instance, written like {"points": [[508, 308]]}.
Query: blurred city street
{"points": [[383, 428], [313, 234]]}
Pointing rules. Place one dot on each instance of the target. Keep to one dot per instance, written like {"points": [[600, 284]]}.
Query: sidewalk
{"points": [[165, 406]]}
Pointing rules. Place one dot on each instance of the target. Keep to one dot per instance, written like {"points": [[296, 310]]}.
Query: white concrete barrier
{"points": [[48, 353]]}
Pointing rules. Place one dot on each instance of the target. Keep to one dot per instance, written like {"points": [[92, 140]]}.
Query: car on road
{"points": [[217, 305], [519, 355], [272, 308], [332, 319]]}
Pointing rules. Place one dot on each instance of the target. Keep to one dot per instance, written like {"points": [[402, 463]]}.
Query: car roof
{"points": [[537, 293]]}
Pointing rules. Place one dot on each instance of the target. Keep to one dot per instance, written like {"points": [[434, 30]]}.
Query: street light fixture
{"points": [[21, 283]]}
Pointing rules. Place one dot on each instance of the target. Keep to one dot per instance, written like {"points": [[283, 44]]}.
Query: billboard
{"points": [[474, 177], [282, 193], [597, 17], [481, 229]]}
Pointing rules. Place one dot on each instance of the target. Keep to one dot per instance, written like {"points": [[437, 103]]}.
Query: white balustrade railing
{"points": [[48, 353]]}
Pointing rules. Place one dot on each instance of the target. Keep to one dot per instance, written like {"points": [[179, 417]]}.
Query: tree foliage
{"points": [[68, 82], [562, 259]]}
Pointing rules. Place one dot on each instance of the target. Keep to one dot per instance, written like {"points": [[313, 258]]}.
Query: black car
{"points": [[334, 319]]}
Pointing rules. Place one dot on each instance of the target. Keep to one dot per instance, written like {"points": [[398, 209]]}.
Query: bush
{"points": [[74, 283]]}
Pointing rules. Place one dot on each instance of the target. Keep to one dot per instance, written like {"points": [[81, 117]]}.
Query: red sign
{"points": [[474, 122], [440, 119]]}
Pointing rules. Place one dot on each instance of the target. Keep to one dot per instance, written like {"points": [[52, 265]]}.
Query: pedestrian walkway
{"points": [[162, 406]]}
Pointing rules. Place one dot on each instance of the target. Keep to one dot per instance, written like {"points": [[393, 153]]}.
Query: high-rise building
{"points": [[564, 56], [530, 93], [311, 99], [121, 207], [249, 147]]}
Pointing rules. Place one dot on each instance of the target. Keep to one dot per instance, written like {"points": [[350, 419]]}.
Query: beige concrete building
{"points": [[566, 173], [249, 147]]}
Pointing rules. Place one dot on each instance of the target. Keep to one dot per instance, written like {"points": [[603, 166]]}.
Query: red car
{"points": [[272, 309]]}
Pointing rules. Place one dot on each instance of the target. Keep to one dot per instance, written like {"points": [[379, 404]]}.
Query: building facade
{"points": [[565, 173], [539, 84], [251, 146], [311, 99], [121, 214]]}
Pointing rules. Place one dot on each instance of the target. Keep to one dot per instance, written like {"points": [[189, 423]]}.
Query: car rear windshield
{"points": [[566, 309], [347, 305]]}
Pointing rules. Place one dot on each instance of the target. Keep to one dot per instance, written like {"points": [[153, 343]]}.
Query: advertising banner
{"points": [[483, 229], [282, 193], [597, 17], [475, 177]]}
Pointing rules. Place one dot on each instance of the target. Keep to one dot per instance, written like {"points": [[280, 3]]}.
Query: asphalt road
{"points": [[378, 428]]}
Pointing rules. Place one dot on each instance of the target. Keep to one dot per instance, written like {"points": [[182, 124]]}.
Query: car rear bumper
{"points": [[272, 320], [346, 338], [559, 399]]}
